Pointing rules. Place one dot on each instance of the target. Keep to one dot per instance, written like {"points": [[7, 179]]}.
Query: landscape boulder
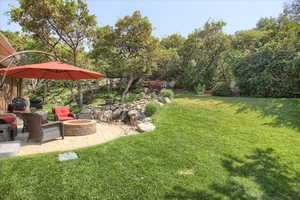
{"points": [[160, 101], [147, 119], [132, 113], [145, 127], [86, 114], [167, 100], [117, 114]]}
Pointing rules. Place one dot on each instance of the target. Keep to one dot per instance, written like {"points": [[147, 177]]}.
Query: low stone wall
{"points": [[132, 113], [128, 113]]}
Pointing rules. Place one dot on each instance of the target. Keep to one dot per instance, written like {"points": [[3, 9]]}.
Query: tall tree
{"points": [[174, 41], [266, 23], [56, 22], [128, 48], [168, 64], [270, 63], [201, 52], [292, 10]]}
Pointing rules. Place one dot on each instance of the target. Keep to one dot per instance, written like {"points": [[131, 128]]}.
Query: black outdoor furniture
{"points": [[36, 103], [18, 104]]}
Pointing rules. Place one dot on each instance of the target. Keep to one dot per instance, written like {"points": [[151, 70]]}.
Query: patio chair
{"points": [[63, 114], [43, 114], [24, 116], [39, 132]]}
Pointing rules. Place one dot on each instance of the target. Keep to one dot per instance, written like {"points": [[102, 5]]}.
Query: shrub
{"points": [[141, 95], [222, 89], [131, 97], [151, 108], [200, 88], [167, 93], [270, 72]]}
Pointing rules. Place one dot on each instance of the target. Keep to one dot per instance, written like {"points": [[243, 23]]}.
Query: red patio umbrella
{"points": [[50, 70]]}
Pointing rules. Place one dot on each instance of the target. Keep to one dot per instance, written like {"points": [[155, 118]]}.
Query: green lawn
{"points": [[203, 148]]}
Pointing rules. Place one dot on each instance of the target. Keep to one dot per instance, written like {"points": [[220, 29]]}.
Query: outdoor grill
{"points": [[36, 103]]}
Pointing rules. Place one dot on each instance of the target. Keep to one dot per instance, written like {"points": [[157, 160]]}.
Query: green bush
{"points": [[200, 88], [270, 72], [134, 97], [151, 108], [167, 93], [222, 89]]}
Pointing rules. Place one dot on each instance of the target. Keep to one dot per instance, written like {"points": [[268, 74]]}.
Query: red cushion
{"points": [[65, 118], [8, 118], [62, 111]]}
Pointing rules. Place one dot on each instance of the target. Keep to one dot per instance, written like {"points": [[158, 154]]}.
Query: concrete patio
{"points": [[105, 132]]}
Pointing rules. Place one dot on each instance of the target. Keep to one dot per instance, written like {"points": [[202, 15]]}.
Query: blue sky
{"points": [[174, 16]]}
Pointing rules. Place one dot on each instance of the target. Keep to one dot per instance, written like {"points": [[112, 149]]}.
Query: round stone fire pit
{"points": [[79, 127]]}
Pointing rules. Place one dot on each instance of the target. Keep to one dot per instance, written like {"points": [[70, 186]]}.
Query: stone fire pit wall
{"points": [[79, 127]]}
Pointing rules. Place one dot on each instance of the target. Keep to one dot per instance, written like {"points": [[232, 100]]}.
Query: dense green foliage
{"points": [[222, 89], [56, 22], [292, 10], [240, 148], [201, 53], [129, 47], [263, 61], [167, 93], [151, 108], [272, 67], [63, 27]]}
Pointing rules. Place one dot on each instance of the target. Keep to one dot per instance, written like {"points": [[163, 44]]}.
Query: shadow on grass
{"points": [[259, 176], [286, 112]]}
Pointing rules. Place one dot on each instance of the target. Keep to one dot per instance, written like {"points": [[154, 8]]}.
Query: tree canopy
{"points": [[63, 26], [128, 47], [262, 61]]}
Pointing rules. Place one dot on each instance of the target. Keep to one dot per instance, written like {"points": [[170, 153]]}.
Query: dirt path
{"points": [[105, 133]]}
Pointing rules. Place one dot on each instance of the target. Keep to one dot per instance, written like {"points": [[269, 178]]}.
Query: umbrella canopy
{"points": [[50, 70]]}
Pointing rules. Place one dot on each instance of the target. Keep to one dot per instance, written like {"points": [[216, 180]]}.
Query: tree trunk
{"points": [[45, 90], [71, 86], [129, 83], [79, 88]]}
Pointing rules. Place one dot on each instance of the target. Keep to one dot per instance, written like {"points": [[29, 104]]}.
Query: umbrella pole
{"points": [[80, 94], [20, 88], [71, 86], [45, 90]]}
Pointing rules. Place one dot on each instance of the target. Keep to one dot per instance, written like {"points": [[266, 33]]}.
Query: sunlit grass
{"points": [[203, 148]]}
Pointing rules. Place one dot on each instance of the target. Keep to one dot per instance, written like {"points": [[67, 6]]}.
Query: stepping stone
{"points": [[67, 156], [9, 149]]}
